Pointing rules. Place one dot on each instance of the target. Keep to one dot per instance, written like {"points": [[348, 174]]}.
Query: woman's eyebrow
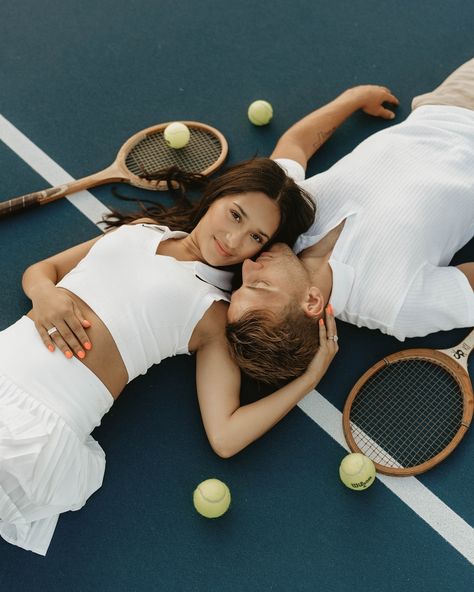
{"points": [[245, 215]]}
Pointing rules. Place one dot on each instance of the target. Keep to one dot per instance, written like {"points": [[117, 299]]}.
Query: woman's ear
{"points": [[313, 304]]}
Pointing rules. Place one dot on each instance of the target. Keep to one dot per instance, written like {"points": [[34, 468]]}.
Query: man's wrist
{"points": [[353, 97]]}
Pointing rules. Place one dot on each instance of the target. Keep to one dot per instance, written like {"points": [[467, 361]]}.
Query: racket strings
{"points": [[407, 413], [152, 154]]}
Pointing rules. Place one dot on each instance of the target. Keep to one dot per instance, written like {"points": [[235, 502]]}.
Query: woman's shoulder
{"points": [[212, 324], [145, 221]]}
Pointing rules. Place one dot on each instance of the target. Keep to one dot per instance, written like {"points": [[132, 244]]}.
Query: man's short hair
{"points": [[273, 348]]}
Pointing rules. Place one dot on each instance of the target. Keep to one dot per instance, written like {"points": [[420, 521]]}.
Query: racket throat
{"points": [[109, 175]]}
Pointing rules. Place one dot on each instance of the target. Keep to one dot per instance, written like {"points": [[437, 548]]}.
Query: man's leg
{"points": [[457, 90]]}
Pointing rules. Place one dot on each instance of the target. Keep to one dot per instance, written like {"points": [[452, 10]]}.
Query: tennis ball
{"points": [[211, 498], [260, 112], [177, 135], [357, 471]]}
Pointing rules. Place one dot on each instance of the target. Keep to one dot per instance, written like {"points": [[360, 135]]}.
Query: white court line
{"points": [[419, 498], [40, 162]]}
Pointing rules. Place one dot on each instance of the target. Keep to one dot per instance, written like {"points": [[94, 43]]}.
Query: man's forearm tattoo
{"points": [[322, 136]]}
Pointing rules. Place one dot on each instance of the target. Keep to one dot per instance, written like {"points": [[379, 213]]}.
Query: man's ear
{"points": [[313, 304]]}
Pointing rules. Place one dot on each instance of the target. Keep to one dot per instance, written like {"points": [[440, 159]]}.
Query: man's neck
{"points": [[316, 261]]}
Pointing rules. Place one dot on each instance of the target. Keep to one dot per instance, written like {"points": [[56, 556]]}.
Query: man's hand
{"points": [[370, 99]]}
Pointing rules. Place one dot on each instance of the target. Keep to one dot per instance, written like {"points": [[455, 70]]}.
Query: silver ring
{"points": [[52, 330], [333, 337]]}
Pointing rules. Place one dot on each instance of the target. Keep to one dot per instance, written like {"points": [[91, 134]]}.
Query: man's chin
{"points": [[279, 247]]}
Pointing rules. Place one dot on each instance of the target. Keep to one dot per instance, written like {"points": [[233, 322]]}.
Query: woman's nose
{"points": [[234, 239]]}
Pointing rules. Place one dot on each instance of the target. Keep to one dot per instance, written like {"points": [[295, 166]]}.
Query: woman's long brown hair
{"points": [[263, 175]]}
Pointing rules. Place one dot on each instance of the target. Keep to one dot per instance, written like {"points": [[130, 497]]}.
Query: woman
{"points": [[104, 311]]}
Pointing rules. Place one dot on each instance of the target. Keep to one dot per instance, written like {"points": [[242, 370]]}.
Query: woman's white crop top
{"points": [[150, 303]]}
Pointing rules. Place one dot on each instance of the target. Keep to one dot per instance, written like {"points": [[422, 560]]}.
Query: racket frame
{"points": [[129, 177], [116, 172], [447, 360]]}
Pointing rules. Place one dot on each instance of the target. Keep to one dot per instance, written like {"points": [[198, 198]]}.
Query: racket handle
{"points": [[31, 200], [40, 198]]}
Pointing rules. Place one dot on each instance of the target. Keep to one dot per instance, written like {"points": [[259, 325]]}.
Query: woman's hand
{"points": [[328, 347], [60, 322], [371, 98]]}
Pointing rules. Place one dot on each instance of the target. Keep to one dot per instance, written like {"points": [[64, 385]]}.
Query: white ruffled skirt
{"points": [[49, 463]]}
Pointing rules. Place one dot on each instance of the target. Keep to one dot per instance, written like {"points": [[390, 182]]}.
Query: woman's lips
{"points": [[221, 249]]}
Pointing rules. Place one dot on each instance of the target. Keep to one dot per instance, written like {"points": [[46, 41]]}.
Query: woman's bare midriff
{"points": [[104, 359]]}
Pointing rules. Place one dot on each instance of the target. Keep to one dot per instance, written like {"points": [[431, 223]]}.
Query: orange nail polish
{"points": [[88, 345], [51, 347], [81, 355], [329, 309], [321, 322], [68, 355]]}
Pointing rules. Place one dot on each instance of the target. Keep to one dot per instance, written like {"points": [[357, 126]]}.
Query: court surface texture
{"points": [[79, 78]]}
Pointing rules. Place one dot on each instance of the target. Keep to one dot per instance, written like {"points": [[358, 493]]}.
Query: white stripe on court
{"points": [[40, 162], [419, 498]]}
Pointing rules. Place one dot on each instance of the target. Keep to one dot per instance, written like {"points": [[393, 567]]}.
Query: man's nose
{"points": [[250, 266]]}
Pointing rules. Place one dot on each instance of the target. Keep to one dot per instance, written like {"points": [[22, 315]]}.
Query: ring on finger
{"points": [[333, 337], [52, 330]]}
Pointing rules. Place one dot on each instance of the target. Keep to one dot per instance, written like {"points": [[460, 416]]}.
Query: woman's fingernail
{"points": [[81, 354], [68, 354], [88, 345], [321, 322], [51, 347], [329, 308], [86, 323]]}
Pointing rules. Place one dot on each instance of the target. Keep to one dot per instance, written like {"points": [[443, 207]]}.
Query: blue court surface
{"points": [[79, 78]]}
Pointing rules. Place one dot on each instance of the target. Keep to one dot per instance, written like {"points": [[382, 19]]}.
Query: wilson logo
{"points": [[362, 483]]}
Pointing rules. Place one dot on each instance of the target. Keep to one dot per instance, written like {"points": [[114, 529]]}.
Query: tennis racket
{"points": [[142, 156], [409, 411]]}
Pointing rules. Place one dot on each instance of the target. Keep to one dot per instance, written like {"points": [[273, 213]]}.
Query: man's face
{"points": [[269, 283]]}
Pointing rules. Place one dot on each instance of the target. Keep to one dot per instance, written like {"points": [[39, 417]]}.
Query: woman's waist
{"points": [[65, 386], [128, 340], [104, 359]]}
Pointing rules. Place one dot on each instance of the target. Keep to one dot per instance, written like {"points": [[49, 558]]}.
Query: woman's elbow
{"points": [[222, 447]]}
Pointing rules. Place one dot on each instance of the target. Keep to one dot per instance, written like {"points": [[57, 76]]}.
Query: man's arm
{"points": [[305, 137], [468, 271]]}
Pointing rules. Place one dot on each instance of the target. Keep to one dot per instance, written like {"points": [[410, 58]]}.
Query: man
{"points": [[390, 217]]}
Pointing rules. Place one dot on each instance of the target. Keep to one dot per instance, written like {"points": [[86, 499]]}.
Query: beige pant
{"points": [[456, 90]]}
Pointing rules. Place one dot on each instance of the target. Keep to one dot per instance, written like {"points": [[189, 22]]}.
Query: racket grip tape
{"points": [[31, 200]]}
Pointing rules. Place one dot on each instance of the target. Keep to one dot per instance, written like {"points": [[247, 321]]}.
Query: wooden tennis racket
{"points": [[142, 156], [409, 411]]}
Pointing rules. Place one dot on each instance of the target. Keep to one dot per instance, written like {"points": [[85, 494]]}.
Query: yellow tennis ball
{"points": [[260, 112], [211, 498], [357, 471], [177, 135]]}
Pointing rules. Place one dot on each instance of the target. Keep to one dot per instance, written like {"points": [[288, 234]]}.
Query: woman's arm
{"points": [[305, 137], [54, 307], [231, 427]]}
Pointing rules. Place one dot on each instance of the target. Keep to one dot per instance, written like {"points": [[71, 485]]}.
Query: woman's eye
{"points": [[257, 238], [235, 215]]}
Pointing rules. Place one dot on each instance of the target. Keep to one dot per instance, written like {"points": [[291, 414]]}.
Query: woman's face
{"points": [[236, 227]]}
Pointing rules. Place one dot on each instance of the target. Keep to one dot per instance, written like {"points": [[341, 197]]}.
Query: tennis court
{"points": [[78, 79]]}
